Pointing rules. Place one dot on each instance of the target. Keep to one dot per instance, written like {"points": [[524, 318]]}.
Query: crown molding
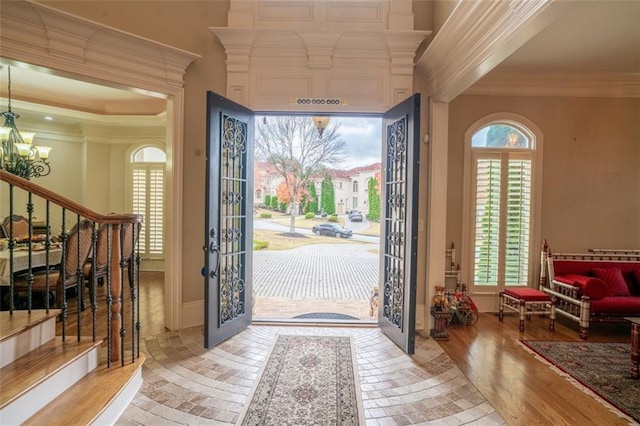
{"points": [[476, 37], [43, 36], [513, 83]]}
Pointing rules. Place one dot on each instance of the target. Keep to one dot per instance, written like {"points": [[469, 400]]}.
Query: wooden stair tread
{"points": [[83, 402], [16, 323], [34, 367]]}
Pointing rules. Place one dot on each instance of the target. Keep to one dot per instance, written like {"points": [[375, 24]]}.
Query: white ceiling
{"points": [[591, 38], [36, 94]]}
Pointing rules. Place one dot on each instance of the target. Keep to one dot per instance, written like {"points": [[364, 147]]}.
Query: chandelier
{"points": [[18, 155]]}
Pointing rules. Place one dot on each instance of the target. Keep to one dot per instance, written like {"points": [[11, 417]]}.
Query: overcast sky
{"points": [[363, 138]]}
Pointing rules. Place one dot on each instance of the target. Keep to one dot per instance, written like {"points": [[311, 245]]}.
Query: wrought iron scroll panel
{"points": [[395, 215], [233, 219]]}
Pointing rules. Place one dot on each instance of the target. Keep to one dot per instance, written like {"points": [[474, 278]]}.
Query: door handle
{"points": [[213, 248]]}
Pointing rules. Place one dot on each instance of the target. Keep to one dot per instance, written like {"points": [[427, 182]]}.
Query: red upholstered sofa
{"points": [[599, 286]]}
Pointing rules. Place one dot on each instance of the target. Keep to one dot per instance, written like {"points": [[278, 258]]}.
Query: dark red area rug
{"points": [[603, 368]]}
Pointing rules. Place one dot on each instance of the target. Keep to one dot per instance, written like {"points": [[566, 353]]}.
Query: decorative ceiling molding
{"points": [[558, 84], [476, 37], [361, 50], [42, 36]]}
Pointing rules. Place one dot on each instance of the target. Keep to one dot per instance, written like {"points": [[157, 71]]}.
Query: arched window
{"points": [[258, 194], [502, 168], [147, 166]]}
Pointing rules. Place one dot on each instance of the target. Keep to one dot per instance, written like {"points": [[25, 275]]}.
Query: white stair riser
{"points": [[23, 343], [32, 401], [113, 412]]}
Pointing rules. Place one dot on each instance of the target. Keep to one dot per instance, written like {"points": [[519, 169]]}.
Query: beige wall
{"points": [[99, 177], [119, 179], [591, 167]]}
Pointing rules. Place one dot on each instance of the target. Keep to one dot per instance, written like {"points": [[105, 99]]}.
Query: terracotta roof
{"points": [[370, 168], [334, 173]]}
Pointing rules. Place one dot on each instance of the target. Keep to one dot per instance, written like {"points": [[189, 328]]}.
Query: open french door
{"points": [[229, 219], [399, 231]]}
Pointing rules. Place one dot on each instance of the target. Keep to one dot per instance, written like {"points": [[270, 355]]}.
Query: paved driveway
{"points": [[318, 271], [354, 226]]}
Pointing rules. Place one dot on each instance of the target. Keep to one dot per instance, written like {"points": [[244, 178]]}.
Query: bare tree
{"points": [[294, 147]]}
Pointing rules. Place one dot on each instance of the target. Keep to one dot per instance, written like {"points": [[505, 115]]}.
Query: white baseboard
{"points": [[420, 325], [192, 313], [152, 265]]}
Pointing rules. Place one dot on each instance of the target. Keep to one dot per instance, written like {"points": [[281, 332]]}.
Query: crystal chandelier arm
{"points": [[18, 155]]}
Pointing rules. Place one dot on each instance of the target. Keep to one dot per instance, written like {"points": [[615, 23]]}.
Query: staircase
{"points": [[47, 376], [47, 381]]}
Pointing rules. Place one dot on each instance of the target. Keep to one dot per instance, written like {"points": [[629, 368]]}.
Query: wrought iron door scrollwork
{"points": [[231, 235], [232, 197], [231, 289], [234, 137], [395, 188], [394, 296], [397, 140]]}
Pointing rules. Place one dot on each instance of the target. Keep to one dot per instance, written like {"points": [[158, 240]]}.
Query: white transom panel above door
{"points": [[361, 53]]}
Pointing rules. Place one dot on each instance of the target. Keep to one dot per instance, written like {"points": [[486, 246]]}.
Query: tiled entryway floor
{"points": [[185, 384]]}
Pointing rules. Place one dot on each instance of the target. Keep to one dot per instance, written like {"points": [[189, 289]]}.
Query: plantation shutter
{"points": [[139, 205], [502, 218], [487, 220], [148, 200], [156, 208], [518, 207]]}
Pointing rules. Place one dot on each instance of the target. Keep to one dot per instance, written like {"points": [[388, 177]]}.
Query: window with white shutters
{"points": [[501, 205], [148, 199]]}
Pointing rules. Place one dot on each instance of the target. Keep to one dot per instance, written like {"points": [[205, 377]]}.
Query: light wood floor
{"points": [[518, 386], [151, 309]]}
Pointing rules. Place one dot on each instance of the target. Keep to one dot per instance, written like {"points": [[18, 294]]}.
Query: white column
{"points": [[437, 194]]}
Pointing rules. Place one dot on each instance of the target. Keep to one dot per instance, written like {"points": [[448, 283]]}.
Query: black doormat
{"points": [[325, 315]]}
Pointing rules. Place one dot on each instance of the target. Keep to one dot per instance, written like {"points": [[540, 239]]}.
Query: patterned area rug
{"points": [[307, 380], [603, 368]]}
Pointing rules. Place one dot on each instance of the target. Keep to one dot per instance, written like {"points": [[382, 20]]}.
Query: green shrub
{"points": [[265, 215], [259, 245], [283, 207], [274, 202], [333, 218], [309, 215], [267, 201]]}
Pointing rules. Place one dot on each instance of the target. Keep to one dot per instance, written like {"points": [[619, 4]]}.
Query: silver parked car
{"points": [[355, 216]]}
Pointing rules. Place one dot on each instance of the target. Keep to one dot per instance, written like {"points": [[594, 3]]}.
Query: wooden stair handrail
{"points": [[66, 203]]}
